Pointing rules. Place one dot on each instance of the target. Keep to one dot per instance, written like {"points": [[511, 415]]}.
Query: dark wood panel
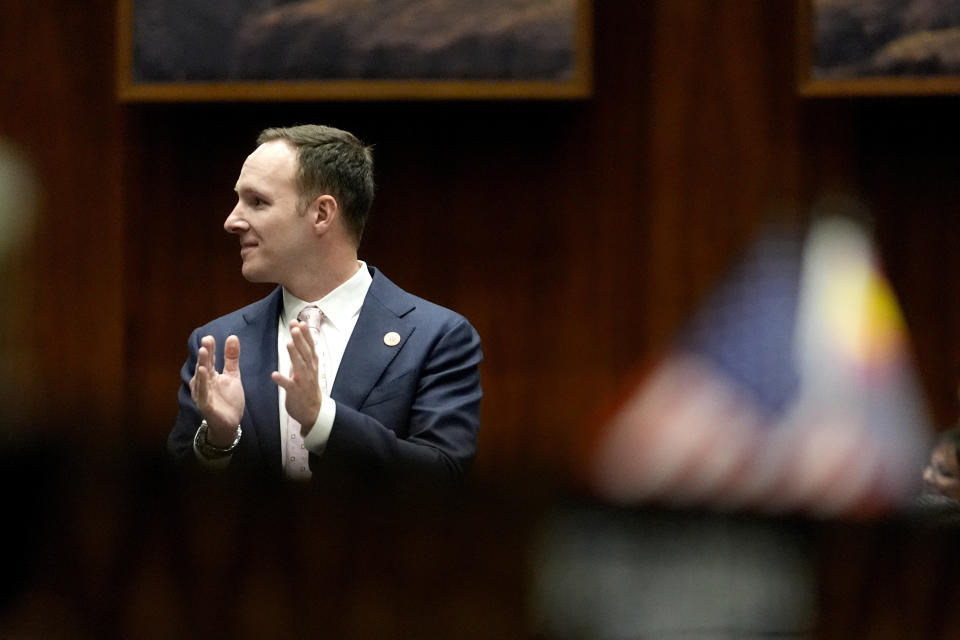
{"points": [[58, 107]]}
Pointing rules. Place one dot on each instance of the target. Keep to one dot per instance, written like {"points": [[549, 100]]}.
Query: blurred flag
{"points": [[791, 391]]}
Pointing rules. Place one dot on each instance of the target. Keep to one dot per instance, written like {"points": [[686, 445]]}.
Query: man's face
{"points": [[942, 474], [273, 235]]}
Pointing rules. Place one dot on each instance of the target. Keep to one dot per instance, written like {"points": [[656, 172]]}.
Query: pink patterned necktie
{"points": [[296, 457], [314, 318]]}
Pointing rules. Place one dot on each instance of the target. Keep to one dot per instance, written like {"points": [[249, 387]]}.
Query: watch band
{"points": [[210, 451]]}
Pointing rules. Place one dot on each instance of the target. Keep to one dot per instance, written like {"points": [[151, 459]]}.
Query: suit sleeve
{"points": [[438, 437]]}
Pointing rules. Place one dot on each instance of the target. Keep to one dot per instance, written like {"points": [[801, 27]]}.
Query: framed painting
{"points": [[878, 47], [235, 50]]}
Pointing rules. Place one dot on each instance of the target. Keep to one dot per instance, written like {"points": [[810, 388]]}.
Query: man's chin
{"points": [[252, 274]]}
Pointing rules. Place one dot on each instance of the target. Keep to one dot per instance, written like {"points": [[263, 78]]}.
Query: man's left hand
{"points": [[303, 385]]}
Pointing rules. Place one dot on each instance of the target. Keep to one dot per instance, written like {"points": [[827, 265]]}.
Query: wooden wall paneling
{"points": [[719, 130], [182, 163], [55, 60]]}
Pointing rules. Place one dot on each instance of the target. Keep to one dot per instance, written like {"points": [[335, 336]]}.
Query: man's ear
{"points": [[323, 212]]}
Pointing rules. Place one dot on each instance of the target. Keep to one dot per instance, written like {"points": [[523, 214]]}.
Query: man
{"points": [[338, 370]]}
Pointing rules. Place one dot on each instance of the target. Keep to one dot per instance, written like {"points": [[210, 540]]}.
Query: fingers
{"points": [[203, 354], [299, 365], [302, 339], [200, 387], [199, 384], [218, 396], [210, 345], [283, 381], [231, 355], [207, 354], [306, 336], [303, 400], [304, 368]]}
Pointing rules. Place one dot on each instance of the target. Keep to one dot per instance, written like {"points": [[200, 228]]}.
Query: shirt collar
{"points": [[340, 305]]}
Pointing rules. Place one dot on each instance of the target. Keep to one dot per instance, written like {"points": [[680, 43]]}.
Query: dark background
{"points": [[576, 236]]}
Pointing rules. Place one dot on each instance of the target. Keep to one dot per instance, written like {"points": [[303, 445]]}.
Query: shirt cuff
{"points": [[316, 440]]}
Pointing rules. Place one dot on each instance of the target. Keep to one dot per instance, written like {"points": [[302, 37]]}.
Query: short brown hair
{"points": [[331, 161]]}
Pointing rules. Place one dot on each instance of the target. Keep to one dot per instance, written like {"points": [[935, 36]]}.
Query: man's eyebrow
{"points": [[249, 191]]}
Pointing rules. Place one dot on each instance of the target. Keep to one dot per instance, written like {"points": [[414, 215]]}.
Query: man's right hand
{"points": [[218, 396]]}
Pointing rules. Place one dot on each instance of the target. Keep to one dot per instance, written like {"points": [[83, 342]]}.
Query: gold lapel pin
{"points": [[391, 339]]}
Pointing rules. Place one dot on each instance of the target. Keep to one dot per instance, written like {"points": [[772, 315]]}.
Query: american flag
{"points": [[791, 391]]}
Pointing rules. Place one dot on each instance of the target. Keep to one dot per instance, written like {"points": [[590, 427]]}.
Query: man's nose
{"points": [[235, 222]]}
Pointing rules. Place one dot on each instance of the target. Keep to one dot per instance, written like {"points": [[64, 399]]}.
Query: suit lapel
{"points": [[258, 358], [367, 355]]}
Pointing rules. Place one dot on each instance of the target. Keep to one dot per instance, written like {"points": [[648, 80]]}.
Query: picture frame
{"points": [[149, 48], [866, 48]]}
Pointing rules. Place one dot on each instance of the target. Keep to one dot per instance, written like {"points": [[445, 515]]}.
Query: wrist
{"points": [[215, 448], [305, 427], [221, 437]]}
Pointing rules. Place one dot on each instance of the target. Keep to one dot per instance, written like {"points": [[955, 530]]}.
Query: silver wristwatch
{"points": [[210, 451]]}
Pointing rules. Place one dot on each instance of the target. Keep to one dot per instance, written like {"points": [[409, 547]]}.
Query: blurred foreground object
{"points": [[942, 474], [17, 200], [18, 204], [791, 391], [25, 515], [602, 572]]}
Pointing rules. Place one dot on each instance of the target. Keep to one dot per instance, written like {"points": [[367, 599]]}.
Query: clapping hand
{"points": [[303, 384], [218, 396]]}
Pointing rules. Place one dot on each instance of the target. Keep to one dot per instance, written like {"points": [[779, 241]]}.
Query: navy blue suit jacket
{"points": [[413, 407]]}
